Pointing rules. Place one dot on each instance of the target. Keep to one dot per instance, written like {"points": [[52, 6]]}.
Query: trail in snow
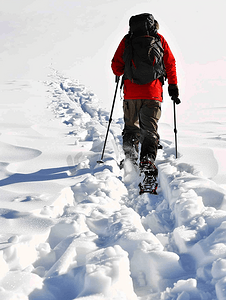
{"points": [[100, 239], [178, 203]]}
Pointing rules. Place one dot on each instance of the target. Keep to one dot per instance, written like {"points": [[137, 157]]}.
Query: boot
{"points": [[131, 148]]}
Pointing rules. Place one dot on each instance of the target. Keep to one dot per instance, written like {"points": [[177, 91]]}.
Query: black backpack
{"points": [[143, 55]]}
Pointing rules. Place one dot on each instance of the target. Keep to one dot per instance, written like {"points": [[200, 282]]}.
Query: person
{"points": [[142, 102]]}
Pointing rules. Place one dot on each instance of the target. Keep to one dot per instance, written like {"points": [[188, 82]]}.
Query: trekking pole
{"points": [[176, 100], [110, 119]]}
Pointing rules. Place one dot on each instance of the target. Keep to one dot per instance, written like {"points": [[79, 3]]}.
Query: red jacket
{"points": [[152, 90]]}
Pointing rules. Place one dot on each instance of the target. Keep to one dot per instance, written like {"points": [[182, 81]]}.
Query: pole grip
{"points": [[176, 99], [117, 78]]}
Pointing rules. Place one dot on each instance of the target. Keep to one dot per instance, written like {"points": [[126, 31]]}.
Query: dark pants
{"points": [[141, 125]]}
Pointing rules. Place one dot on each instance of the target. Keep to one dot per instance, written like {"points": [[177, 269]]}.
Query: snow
{"points": [[71, 228]]}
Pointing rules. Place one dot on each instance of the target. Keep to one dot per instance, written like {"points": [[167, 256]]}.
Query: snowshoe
{"points": [[149, 185], [150, 172]]}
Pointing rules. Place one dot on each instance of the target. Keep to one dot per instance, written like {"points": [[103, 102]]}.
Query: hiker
{"points": [[145, 60]]}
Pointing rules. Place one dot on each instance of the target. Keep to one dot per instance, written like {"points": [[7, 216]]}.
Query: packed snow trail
{"points": [[177, 205], [100, 239], [126, 229]]}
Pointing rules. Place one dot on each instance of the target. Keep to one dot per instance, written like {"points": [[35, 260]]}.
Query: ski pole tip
{"points": [[100, 161]]}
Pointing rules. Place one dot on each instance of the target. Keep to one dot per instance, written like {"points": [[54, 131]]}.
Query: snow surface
{"points": [[71, 228]]}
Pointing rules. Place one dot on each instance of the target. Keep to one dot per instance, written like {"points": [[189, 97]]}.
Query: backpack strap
{"points": [[127, 57]]}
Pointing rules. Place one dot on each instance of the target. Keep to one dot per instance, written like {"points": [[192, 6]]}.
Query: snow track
{"points": [[100, 239], [159, 220]]}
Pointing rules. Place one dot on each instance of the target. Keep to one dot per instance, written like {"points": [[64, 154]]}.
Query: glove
{"points": [[174, 93], [117, 78], [173, 90]]}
